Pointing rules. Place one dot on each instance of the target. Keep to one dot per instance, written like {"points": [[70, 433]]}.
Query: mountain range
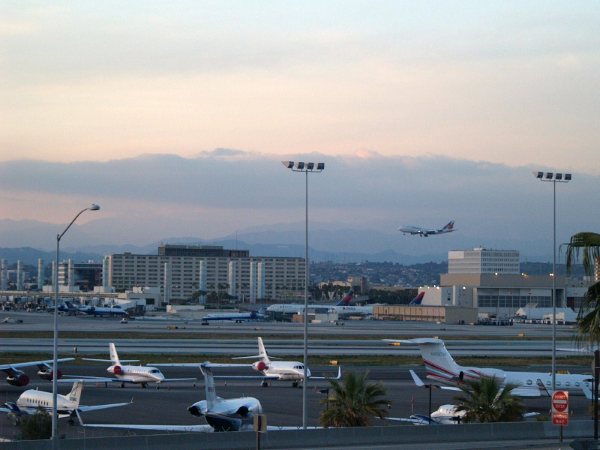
{"points": [[29, 240]]}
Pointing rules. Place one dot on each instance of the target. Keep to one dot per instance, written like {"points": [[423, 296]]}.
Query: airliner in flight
{"points": [[16, 377], [128, 374], [442, 368], [32, 400], [424, 232]]}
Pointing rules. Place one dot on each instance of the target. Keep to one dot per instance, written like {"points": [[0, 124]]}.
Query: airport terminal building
{"points": [[182, 270], [491, 281]]}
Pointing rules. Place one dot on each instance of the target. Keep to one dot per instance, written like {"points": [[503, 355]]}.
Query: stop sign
{"points": [[560, 402]]}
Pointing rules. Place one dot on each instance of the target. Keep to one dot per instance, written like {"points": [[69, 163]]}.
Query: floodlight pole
{"points": [[54, 436], [554, 178], [306, 168]]}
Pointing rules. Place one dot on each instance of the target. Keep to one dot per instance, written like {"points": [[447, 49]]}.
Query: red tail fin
{"points": [[417, 300], [346, 300]]}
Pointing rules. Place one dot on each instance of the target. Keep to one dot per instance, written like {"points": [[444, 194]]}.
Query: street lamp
{"points": [[92, 207], [309, 167], [553, 178]]}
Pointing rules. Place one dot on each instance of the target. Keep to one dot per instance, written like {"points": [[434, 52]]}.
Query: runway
{"points": [[292, 347]]}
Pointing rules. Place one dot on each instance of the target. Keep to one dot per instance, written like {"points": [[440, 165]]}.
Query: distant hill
{"points": [[28, 255]]}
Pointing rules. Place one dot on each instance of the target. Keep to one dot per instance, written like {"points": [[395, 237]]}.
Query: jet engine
{"points": [[261, 365], [195, 410], [17, 379], [242, 411], [46, 374]]}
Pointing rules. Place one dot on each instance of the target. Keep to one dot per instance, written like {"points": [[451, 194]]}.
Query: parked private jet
{"points": [[32, 400], [281, 370], [234, 414], [128, 374], [441, 367], [17, 377], [424, 232], [270, 370], [444, 415]]}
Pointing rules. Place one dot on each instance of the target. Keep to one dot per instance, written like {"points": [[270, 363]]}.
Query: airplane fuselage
{"points": [[283, 370], [527, 383], [31, 400], [136, 374], [293, 308]]}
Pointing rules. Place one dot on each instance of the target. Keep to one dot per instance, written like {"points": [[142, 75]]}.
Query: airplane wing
{"points": [[198, 365], [84, 408], [417, 420], [587, 391], [158, 427], [169, 380], [526, 392], [416, 378], [86, 379], [122, 361], [247, 377], [31, 363], [339, 375], [420, 383]]}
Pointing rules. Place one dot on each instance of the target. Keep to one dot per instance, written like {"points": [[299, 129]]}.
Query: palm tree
{"points": [[353, 402], [588, 321], [485, 400]]}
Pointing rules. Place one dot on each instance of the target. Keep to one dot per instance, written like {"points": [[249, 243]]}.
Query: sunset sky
{"points": [[513, 83]]}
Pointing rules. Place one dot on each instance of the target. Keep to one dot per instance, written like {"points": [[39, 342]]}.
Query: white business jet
{"points": [[32, 400], [129, 374], [234, 414], [270, 370], [441, 367], [281, 370]]}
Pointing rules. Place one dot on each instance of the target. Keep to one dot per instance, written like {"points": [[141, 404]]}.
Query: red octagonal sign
{"points": [[560, 402]]}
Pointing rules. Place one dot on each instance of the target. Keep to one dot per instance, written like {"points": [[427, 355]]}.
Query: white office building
{"points": [[208, 269], [483, 260]]}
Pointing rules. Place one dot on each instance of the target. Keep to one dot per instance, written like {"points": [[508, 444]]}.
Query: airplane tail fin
{"points": [[449, 226], [262, 351], [439, 363], [75, 394], [345, 301], [209, 386], [114, 356], [417, 300]]}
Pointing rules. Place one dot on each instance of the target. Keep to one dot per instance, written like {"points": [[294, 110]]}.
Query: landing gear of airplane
{"points": [[295, 384], [144, 385], [264, 383], [122, 385]]}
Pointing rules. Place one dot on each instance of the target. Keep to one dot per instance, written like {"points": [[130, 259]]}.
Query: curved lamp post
{"points": [[92, 207], [309, 167]]}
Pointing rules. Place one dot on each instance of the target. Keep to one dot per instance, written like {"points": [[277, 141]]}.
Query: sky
{"points": [[436, 86]]}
